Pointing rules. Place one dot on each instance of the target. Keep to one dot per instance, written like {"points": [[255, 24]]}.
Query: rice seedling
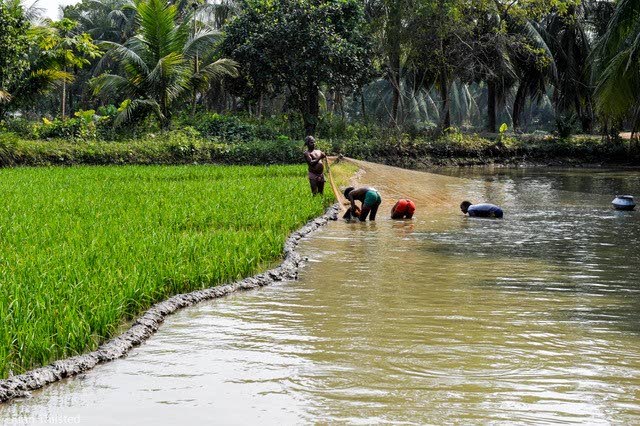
{"points": [[84, 249]]}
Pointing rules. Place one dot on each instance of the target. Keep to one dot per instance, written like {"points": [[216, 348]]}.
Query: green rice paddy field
{"points": [[84, 249]]}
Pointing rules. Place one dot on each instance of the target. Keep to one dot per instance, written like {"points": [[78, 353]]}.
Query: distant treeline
{"points": [[228, 140], [566, 66]]}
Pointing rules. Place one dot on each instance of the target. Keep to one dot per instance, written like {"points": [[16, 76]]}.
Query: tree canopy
{"points": [[157, 63], [412, 64], [298, 46], [14, 45]]}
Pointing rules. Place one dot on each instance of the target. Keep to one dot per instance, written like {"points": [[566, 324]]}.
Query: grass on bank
{"points": [[239, 139], [84, 249], [188, 146]]}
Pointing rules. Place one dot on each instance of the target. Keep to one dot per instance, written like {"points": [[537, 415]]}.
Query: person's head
{"points": [[348, 191], [464, 206], [310, 142]]}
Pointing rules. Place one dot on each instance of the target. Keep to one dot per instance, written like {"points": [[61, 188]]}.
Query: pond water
{"points": [[441, 319]]}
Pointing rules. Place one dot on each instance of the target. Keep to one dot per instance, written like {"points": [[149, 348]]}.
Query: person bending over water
{"points": [[314, 159], [370, 199], [403, 209], [481, 210]]}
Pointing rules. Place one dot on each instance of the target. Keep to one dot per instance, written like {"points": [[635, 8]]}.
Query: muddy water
{"points": [[442, 319]]}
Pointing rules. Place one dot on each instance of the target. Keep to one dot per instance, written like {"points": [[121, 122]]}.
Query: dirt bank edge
{"points": [[150, 321]]}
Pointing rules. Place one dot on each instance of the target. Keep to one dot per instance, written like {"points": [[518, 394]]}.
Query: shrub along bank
{"points": [[188, 147], [176, 147], [457, 149], [89, 138]]}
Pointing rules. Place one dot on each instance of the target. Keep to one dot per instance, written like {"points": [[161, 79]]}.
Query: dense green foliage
{"points": [[90, 247], [233, 141], [300, 45], [176, 147], [617, 65], [562, 66], [164, 61], [13, 40]]}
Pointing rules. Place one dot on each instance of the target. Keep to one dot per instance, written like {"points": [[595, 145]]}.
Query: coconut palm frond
{"points": [[126, 54], [5, 97], [201, 42], [616, 59], [132, 108], [617, 89], [157, 24], [111, 84], [220, 69]]}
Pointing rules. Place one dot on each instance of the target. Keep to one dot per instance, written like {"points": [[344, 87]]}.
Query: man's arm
{"points": [[309, 159], [314, 161], [356, 194], [353, 203]]}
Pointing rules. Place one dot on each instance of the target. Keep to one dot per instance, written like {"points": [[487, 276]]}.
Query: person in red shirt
{"points": [[403, 209]]}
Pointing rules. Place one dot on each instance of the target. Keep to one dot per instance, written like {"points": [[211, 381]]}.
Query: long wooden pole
{"points": [[337, 193]]}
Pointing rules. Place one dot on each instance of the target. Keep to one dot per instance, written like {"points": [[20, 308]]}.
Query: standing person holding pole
{"points": [[314, 158]]}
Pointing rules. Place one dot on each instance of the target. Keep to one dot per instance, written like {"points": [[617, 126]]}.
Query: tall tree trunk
{"points": [[311, 110], [196, 65], [194, 96], [518, 105], [491, 106], [63, 106], [445, 115], [340, 104], [362, 106], [331, 101], [635, 125], [394, 24], [443, 85], [71, 105], [166, 112], [586, 117], [395, 87]]}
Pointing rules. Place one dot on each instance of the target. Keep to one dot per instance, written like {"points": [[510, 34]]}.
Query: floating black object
{"points": [[623, 202]]}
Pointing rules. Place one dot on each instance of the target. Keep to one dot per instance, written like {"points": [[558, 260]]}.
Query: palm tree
{"points": [[568, 37], [218, 13], [52, 54], [157, 63], [616, 61], [490, 60], [390, 20], [68, 51], [534, 70], [104, 20]]}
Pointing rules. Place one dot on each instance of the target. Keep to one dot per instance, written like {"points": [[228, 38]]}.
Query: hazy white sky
{"points": [[52, 7]]}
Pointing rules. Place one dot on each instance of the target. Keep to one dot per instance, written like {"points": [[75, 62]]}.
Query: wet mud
{"points": [[145, 326]]}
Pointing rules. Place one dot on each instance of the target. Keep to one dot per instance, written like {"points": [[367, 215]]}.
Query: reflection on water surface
{"points": [[532, 319]]}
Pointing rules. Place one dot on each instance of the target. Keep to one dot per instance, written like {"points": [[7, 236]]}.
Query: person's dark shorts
{"points": [[372, 198]]}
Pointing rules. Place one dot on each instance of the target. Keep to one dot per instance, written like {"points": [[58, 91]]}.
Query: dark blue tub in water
{"points": [[623, 202]]}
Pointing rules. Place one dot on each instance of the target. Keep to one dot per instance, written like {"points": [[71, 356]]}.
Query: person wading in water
{"points": [[370, 199], [314, 158], [481, 210], [403, 209]]}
